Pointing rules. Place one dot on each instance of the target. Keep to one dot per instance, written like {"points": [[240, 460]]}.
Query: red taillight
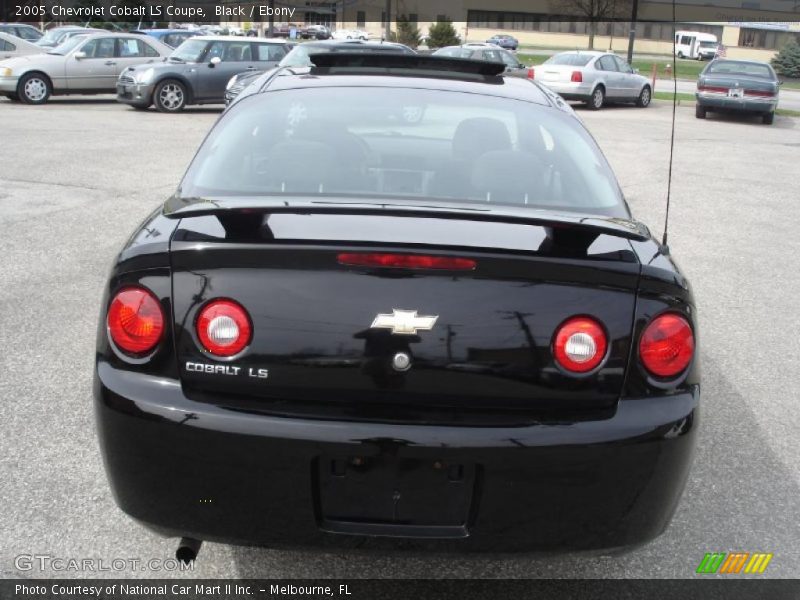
{"points": [[759, 93], [531, 73], [712, 88], [223, 327], [580, 344], [406, 261], [577, 77], [135, 321], [667, 345]]}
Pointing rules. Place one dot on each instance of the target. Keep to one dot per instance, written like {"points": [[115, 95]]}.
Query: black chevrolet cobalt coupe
{"points": [[398, 297]]}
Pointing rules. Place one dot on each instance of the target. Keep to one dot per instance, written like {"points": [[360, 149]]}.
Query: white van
{"points": [[695, 44]]}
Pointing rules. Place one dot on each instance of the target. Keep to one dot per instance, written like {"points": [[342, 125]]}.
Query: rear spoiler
{"points": [[177, 207]]}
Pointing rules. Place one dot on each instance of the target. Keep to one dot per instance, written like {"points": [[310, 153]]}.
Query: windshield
{"points": [[404, 143], [189, 51], [454, 51], [68, 45], [572, 60], [50, 36], [730, 67], [708, 44]]}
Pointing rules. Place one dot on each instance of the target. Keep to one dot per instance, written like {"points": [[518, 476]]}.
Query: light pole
{"points": [[632, 34]]}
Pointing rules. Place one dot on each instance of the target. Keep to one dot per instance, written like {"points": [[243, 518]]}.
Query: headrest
{"points": [[475, 136]]}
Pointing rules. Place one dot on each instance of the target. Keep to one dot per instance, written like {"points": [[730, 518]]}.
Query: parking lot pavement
{"points": [[75, 178]]}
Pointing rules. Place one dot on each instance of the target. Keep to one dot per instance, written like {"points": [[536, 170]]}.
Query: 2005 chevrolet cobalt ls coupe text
{"points": [[397, 297]]}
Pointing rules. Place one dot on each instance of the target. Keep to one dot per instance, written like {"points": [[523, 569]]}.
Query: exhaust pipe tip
{"points": [[188, 549]]}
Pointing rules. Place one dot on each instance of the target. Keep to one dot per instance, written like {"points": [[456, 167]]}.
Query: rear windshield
{"points": [[572, 60], [300, 56], [732, 67], [406, 143]]}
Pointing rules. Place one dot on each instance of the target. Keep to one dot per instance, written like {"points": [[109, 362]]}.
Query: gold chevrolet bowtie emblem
{"points": [[404, 322]]}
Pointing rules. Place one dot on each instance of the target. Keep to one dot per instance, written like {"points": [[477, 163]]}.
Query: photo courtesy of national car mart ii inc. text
{"points": [[391, 298]]}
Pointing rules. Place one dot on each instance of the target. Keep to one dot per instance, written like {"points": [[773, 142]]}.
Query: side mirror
{"points": [[79, 55], [214, 62], [521, 66]]}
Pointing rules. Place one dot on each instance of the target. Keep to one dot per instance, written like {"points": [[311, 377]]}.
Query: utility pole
{"points": [[632, 34], [387, 34], [271, 29]]}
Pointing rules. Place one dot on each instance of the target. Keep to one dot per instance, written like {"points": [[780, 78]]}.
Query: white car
{"points": [[350, 34], [11, 46]]}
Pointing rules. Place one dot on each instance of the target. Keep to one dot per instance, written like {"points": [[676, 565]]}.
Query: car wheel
{"points": [[34, 88], [597, 98], [768, 118], [680, 54], [170, 96], [699, 111], [644, 97]]}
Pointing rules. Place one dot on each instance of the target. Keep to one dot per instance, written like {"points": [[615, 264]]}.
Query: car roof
{"points": [[94, 33], [587, 52], [162, 30], [741, 60], [349, 43], [236, 38]]}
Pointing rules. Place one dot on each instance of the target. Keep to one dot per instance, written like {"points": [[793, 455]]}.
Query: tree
{"points": [[593, 11], [442, 34], [407, 32], [787, 61]]}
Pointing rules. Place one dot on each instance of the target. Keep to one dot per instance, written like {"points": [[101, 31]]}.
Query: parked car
{"points": [[197, 71], [84, 64], [449, 330], [594, 78], [745, 86], [350, 34], [317, 32], [509, 42], [29, 33], [11, 46], [488, 52], [300, 56], [171, 37], [286, 29], [58, 35]]}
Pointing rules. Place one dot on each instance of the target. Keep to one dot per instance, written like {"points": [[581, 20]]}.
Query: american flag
{"points": [[722, 52]]}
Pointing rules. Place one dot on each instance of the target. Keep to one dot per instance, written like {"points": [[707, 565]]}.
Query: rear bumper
{"points": [[184, 468], [746, 104], [571, 90]]}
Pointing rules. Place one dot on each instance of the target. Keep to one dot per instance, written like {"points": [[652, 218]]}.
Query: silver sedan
{"points": [[595, 78], [84, 64], [11, 46]]}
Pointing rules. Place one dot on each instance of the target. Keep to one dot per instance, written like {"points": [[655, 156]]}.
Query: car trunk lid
{"points": [[316, 315]]}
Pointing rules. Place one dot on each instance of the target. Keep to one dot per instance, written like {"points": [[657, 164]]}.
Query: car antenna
{"points": [[664, 245]]}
